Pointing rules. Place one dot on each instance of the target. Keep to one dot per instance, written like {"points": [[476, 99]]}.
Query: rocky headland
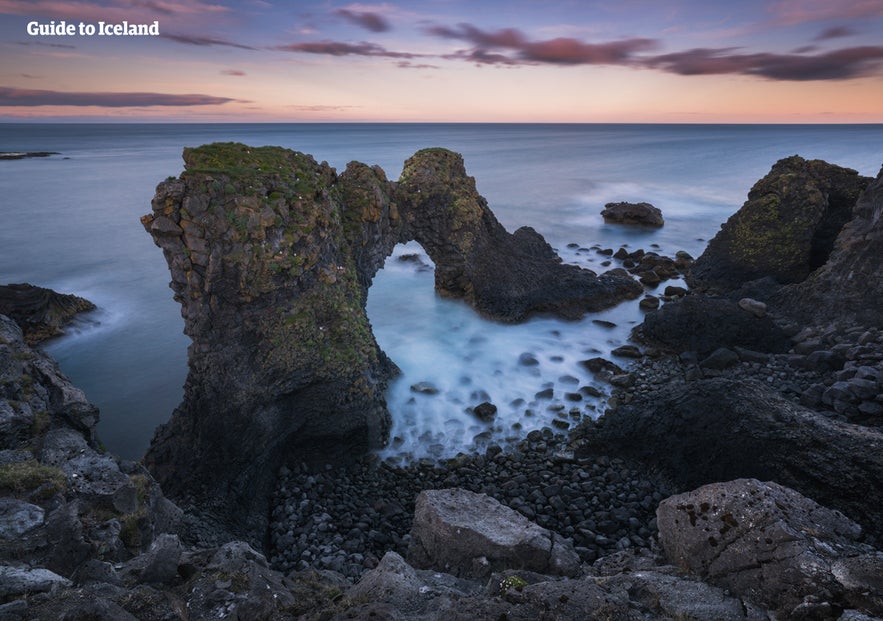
{"points": [[735, 475]]}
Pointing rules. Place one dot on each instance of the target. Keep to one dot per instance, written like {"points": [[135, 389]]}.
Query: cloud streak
{"points": [[339, 48], [367, 20], [837, 65], [29, 97], [204, 41]]}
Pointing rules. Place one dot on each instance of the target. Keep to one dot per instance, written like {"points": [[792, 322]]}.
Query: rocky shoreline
{"points": [[737, 473]]}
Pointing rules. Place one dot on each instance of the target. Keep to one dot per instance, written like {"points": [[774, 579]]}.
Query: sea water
{"points": [[71, 222]]}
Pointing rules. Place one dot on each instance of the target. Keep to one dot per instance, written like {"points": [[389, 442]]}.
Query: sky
{"points": [[580, 61]]}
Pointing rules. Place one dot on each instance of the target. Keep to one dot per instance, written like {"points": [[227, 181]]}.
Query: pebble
{"points": [[345, 518]]}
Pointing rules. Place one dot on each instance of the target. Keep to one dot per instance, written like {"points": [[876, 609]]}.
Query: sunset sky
{"points": [[755, 61]]}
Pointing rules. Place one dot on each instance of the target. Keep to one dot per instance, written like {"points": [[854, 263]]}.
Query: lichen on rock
{"points": [[786, 228]]}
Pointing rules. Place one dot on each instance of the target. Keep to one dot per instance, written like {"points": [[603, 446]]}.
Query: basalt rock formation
{"points": [[719, 429], [271, 257], [504, 276], [786, 228], [848, 288], [40, 312]]}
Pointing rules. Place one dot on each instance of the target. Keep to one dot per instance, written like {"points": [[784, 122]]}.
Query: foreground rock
{"points": [[639, 214], [769, 544], [40, 312], [786, 228], [471, 535], [271, 257], [719, 429]]}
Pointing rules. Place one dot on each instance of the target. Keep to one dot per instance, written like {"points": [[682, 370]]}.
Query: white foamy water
{"points": [[453, 360]]}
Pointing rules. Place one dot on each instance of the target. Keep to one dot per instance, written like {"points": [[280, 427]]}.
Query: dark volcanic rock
{"points": [[771, 545], [702, 323], [719, 429], [40, 312], [271, 256], [266, 265], [848, 287], [641, 214], [504, 276], [786, 228]]}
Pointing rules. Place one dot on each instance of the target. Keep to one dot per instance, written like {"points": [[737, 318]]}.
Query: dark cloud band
{"points": [[28, 97]]}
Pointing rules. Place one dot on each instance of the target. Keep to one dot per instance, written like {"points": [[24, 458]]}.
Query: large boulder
{"points": [[848, 288], [719, 429], [471, 535], [271, 255], [703, 324], [786, 228], [773, 546], [40, 312]]}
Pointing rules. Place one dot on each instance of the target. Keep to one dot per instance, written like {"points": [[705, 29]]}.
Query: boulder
{"points": [[771, 545], [641, 214], [471, 535], [18, 517], [408, 590], [22, 580], [40, 312], [703, 324], [786, 228], [719, 429], [162, 560]]}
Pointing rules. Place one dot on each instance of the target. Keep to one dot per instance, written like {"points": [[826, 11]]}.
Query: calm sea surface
{"points": [[71, 222]]}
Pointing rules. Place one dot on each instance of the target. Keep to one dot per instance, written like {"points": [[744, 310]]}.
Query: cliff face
{"points": [[271, 257]]}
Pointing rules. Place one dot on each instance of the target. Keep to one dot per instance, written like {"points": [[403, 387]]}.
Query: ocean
{"points": [[71, 222]]}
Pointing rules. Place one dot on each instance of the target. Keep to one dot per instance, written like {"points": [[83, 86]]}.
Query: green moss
{"points": [[27, 477], [131, 529], [41, 423]]}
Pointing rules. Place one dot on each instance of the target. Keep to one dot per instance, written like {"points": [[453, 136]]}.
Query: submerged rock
{"points": [[271, 256]]}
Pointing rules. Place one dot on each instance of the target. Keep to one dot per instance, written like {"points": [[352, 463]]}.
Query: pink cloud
{"points": [[559, 51]]}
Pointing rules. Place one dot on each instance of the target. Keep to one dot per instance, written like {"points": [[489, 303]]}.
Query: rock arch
{"points": [[271, 255]]}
